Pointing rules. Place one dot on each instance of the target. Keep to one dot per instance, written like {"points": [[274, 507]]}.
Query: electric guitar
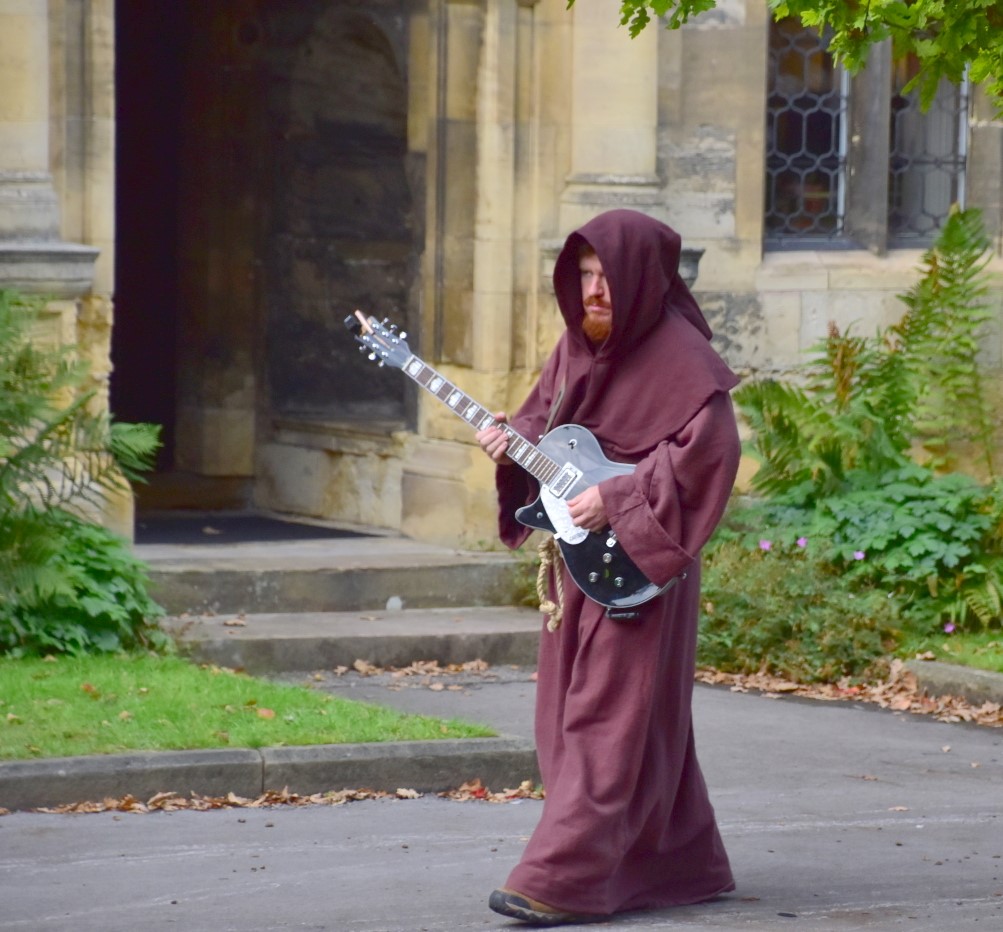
{"points": [[566, 461]]}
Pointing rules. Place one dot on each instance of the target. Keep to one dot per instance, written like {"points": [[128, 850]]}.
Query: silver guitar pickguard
{"points": [[557, 510]]}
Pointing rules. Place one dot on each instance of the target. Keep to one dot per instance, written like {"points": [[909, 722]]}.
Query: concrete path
{"points": [[836, 817]]}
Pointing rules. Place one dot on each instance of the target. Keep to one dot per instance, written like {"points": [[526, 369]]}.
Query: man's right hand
{"points": [[494, 441]]}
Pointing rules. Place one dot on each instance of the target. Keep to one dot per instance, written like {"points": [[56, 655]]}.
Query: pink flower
{"points": [[949, 627], [765, 545], [802, 542], [859, 554]]}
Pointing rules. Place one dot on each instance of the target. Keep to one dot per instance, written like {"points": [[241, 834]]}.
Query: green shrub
{"points": [[100, 603], [838, 450], [931, 540], [58, 462], [785, 611]]}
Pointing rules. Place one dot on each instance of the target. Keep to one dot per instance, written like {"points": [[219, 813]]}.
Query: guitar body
{"points": [[598, 564]]}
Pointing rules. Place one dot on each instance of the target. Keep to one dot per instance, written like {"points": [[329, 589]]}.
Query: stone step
{"points": [[332, 575], [272, 643]]}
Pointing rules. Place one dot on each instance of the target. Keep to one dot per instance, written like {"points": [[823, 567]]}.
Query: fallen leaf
{"points": [[899, 692], [234, 623], [265, 713]]}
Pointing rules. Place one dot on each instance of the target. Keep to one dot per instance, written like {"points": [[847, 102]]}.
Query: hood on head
{"points": [[640, 258]]}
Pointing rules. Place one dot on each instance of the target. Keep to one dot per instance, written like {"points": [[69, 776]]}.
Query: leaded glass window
{"points": [[927, 158], [805, 138], [854, 162]]}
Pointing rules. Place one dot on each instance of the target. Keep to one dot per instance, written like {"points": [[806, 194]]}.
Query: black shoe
{"points": [[533, 912]]}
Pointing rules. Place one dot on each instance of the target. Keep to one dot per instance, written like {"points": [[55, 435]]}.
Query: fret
{"points": [[521, 451]]}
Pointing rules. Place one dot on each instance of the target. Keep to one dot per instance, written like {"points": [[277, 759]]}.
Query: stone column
{"points": [[614, 115], [493, 222], [32, 257]]}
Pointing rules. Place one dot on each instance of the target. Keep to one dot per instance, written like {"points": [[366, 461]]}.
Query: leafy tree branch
{"points": [[947, 38]]}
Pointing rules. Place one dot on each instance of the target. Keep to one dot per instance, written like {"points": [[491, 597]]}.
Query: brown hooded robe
{"points": [[627, 823]]}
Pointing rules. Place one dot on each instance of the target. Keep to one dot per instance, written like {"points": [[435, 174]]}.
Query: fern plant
{"points": [[866, 400], [850, 416], [940, 336], [838, 451], [57, 460]]}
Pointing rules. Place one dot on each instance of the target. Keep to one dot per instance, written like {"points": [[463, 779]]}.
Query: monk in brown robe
{"points": [[627, 823]]}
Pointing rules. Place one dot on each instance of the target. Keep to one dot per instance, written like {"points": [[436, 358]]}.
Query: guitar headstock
{"points": [[385, 344]]}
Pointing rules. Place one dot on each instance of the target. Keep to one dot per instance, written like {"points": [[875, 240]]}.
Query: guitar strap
{"points": [[558, 398]]}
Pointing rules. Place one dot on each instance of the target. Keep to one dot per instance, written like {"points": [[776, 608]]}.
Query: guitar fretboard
{"points": [[520, 450]]}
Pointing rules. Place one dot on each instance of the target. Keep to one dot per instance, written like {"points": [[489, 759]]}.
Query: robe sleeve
{"points": [[665, 511]]}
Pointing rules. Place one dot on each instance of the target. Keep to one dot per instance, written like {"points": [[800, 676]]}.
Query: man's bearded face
{"points": [[598, 321]]}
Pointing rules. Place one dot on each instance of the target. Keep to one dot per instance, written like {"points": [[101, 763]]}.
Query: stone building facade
{"points": [[208, 190]]}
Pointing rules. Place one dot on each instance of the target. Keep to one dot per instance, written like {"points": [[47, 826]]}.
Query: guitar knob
{"points": [[593, 577], [610, 541], [607, 558], [618, 582]]}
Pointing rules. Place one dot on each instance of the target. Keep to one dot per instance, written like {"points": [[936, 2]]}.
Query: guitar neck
{"points": [[520, 450]]}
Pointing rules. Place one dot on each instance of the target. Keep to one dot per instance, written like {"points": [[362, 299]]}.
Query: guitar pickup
{"points": [[563, 481]]}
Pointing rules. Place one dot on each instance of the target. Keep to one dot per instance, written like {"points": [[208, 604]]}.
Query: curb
{"points": [[425, 766], [936, 678]]}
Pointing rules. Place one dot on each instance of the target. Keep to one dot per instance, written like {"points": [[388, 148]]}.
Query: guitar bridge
{"points": [[566, 478]]}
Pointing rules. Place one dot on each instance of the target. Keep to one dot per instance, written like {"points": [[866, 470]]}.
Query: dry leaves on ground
{"points": [[172, 802], [415, 668], [899, 693], [472, 790]]}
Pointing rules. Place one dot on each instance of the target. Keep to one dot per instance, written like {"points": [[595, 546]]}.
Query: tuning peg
{"points": [[403, 334], [372, 357]]}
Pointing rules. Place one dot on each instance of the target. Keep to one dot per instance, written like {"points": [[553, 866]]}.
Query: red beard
{"points": [[596, 328]]}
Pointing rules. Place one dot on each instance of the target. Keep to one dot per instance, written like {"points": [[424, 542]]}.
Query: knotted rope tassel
{"points": [[550, 560]]}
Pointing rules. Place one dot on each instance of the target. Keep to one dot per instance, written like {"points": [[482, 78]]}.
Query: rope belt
{"points": [[550, 563]]}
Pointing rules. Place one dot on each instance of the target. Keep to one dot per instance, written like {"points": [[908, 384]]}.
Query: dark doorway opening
{"points": [[148, 67]]}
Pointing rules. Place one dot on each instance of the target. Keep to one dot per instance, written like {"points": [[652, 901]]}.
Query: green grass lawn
{"points": [[983, 650], [111, 704]]}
